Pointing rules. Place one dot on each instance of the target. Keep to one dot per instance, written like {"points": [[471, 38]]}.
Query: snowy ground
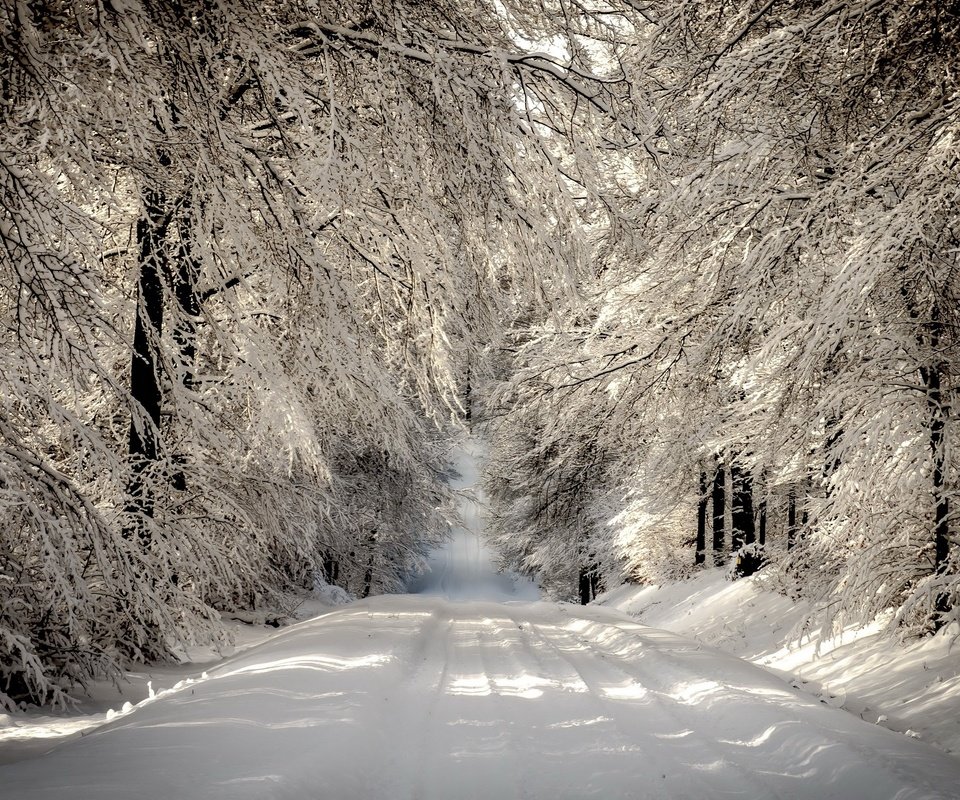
{"points": [[421, 697], [911, 687], [32, 733], [463, 692]]}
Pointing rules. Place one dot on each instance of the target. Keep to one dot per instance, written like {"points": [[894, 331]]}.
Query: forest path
{"points": [[422, 697], [462, 693]]}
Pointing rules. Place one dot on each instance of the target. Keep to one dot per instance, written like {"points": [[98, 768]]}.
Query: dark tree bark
{"points": [[596, 584], [584, 586], [742, 503], [791, 520], [590, 581], [932, 377], [145, 387], [719, 508], [368, 575], [331, 568], [701, 555], [762, 523], [744, 530]]}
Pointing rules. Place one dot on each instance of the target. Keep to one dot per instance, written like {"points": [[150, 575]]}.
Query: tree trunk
{"points": [[791, 519], [595, 583], [744, 529], [368, 575], [719, 513], [331, 568], [584, 586], [145, 388], [762, 522], [701, 555], [932, 377]]}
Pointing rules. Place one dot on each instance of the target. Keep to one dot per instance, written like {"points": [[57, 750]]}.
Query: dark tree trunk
{"points": [[585, 596], [368, 575], [719, 509], [145, 387], [744, 530], [742, 516], [791, 520], [701, 555], [932, 377], [596, 584], [590, 581], [331, 568], [762, 523]]}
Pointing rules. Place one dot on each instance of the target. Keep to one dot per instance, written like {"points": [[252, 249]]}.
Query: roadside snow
{"points": [[31, 733], [911, 687]]}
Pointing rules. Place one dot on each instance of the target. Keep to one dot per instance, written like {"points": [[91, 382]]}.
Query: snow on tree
{"points": [[248, 250], [775, 293]]}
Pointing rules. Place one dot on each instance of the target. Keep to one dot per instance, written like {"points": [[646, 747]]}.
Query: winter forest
{"points": [[690, 268]]}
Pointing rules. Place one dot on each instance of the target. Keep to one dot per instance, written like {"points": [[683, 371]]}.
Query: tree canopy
{"points": [[771, 313], [248, 248]]}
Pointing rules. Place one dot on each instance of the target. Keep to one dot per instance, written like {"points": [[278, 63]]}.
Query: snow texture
{"points": [[423, 697], [911, 685]]}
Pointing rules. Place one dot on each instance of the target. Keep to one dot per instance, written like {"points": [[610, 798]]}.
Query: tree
{"points": [[773, 285], [248, 250]]}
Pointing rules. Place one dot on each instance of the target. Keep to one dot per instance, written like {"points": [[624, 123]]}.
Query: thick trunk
{"points": [[145, 387]]}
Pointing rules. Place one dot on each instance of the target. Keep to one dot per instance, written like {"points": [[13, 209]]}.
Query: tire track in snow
{"points": [[631, 649], [424, 715], [648, 718]]}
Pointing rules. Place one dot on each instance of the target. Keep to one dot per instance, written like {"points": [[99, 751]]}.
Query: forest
{"points": [[690, 268]]}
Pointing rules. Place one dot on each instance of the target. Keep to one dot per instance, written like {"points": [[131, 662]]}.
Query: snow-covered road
{"points": [[421, 697], [462, 692]]}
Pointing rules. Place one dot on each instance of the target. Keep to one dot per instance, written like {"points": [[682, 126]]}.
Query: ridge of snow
{"points": [[912, 687]]}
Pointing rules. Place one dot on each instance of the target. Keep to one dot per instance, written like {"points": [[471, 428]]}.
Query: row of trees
{"points": [[766, 353], [247, 249]]}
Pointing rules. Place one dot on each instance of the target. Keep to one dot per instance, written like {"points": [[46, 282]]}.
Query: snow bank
{"points": [[36, 731], [912, 687]]}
